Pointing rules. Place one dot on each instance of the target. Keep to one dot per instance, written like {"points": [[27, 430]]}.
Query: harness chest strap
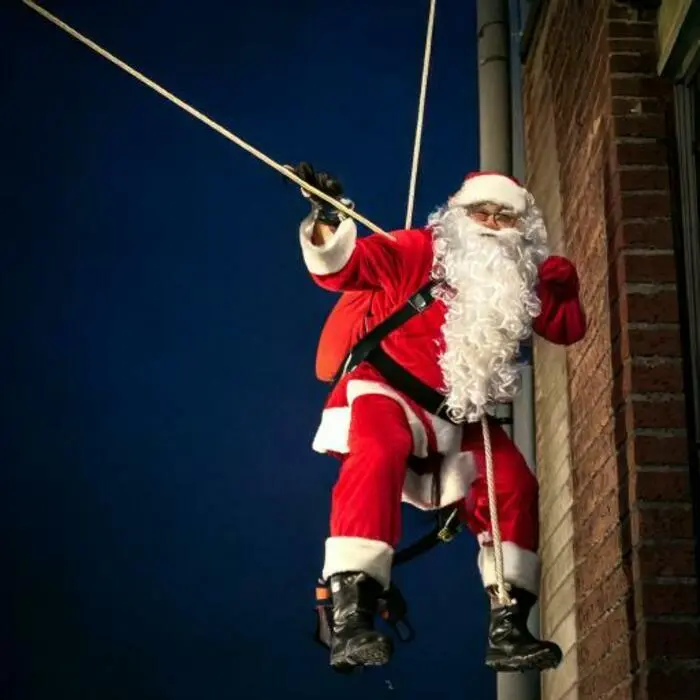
{"points": [[368, 344]]}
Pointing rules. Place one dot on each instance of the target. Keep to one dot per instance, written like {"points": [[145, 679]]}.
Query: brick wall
{"points": [[616, 519], [557, 614]]}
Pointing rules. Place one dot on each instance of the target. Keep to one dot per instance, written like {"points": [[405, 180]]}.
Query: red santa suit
{"points": [[376, 430]]}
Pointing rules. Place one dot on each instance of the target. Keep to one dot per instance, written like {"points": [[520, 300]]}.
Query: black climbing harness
{"points": [[368, 349]]}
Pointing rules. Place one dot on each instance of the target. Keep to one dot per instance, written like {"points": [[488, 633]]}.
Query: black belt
{"points": [[402, 380]]}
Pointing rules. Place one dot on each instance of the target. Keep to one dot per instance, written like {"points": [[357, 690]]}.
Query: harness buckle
{"points": [[441, 407], [447, 532], [446, 535], [418, 302]]}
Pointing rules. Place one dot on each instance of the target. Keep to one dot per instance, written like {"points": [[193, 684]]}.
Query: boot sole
{"points": [[375, 653], [539, 661]]}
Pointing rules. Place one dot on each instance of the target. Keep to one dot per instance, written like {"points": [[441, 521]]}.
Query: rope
{"points": [[421, 111], [502, 593], [206, 120]]}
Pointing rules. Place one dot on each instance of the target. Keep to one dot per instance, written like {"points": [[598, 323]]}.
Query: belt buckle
{"points": [[418, 302]]}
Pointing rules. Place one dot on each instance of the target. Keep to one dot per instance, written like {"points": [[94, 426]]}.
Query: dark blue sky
{"points": [[165, 510]]}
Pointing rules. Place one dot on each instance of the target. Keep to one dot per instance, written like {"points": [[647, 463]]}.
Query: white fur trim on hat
{"points": [[491, 187]]}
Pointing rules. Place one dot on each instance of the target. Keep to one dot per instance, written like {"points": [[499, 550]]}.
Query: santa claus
{"points": [[404, 417]]}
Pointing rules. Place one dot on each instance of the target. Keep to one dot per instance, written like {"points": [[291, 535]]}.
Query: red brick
{"points": [[636, 86], [652, 449], [596, 455], [623, 30], [646, 205], [669, 598], [639, 125], [594, 563], [653, 235], [635, 267], [609, 632], [591, 433], [603, 520], [658, 415], [633, 63], [669, 522], [641, 153], [659, 307], [644, 178], [583, 433], [671, 683], [666, 559], [624, 691], [636, 105], [632, 45], [658, 485], [589, 375], [666, 377], [678, 639], [648, 342], [614, 590], [611, 672], [623, 10]]}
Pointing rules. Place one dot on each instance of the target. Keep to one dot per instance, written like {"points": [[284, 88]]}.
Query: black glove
{"points": [[324, 212]]}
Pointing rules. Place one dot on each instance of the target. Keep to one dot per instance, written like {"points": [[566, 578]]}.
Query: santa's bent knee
{"points": [[381, 444], [381, 450]]}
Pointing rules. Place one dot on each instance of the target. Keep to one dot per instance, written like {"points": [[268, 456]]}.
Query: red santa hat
{"points": [[480, 187]]}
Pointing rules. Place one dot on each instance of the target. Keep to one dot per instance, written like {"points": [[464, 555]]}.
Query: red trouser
{"points": [[366, 500]]}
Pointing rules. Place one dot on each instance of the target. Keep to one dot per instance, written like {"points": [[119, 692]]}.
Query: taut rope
{"points": [[502, 593], [204, 118], [421, 111]]}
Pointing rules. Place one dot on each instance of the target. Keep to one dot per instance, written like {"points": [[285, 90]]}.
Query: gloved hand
{"points": [[324, 212], [560, 277]]}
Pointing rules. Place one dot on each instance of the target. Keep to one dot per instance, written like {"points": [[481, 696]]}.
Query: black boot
{"points": [[355, 641], [512, 647]]}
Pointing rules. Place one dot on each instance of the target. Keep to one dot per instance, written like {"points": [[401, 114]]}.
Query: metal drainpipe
{"points": [[496, 128]]}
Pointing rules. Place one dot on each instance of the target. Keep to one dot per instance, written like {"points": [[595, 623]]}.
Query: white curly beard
{"points": [[491, 300]]}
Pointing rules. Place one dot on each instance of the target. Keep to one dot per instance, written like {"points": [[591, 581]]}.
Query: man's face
{"points": [[493, 216]]}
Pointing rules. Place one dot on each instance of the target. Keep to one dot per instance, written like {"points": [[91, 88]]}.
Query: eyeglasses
{"points": [[502, 218]]}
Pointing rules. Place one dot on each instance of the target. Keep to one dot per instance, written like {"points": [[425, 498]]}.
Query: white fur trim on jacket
{"points": [[458, 469], [521, 567], [334, 254], [491, 188], [345, 554]]}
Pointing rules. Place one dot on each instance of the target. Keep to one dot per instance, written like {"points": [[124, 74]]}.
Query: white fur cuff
{"points": [[334, 254], [521, 567], [494, 188], [344, 554]]}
